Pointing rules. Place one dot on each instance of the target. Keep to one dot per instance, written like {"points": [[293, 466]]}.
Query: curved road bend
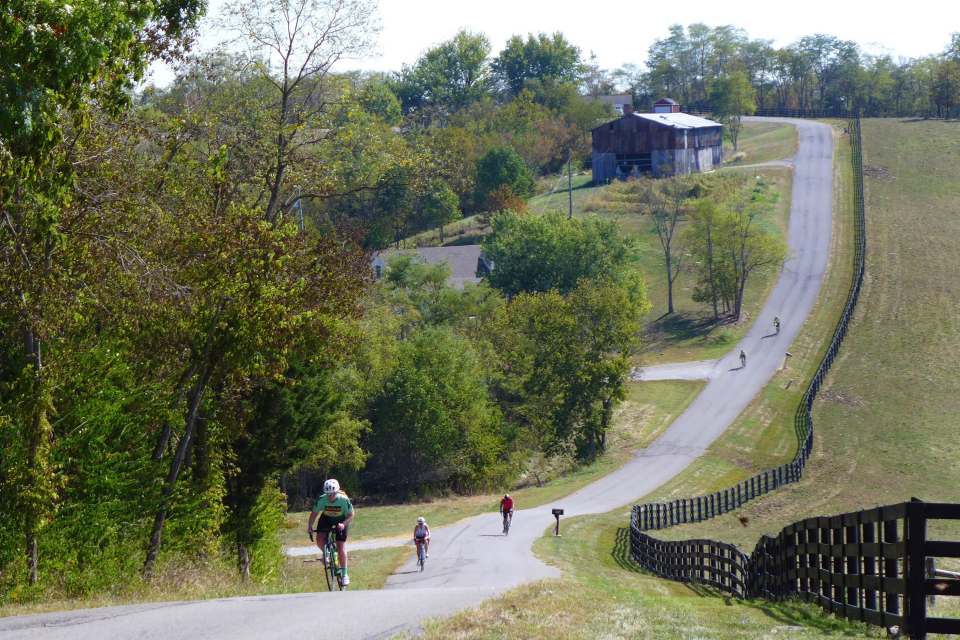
{"points": [[471, 561]]}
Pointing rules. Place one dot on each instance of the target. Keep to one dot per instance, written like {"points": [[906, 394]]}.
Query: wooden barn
{"points": [[657, 143]]}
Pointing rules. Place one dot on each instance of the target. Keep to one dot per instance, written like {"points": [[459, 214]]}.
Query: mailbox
{"points": [[556, 514]]}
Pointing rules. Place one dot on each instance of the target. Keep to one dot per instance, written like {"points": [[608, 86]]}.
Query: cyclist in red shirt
{"points": [[506, 508]]}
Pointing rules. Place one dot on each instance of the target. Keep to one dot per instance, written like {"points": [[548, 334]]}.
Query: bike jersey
{"points": [[420, 530], [338, 510], [506, 504]]}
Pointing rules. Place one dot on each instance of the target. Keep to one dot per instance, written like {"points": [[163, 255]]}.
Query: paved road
{"points": [[470, 561]]}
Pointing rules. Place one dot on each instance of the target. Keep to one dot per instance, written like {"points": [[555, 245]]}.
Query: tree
{"points": [[550, 252], [502, 166], [433, 423], [447, 78], [61, 62], [665, 201], [292, 45], [379, 100], [539, 57], [568, 358], [730, 245], [733, 98]]}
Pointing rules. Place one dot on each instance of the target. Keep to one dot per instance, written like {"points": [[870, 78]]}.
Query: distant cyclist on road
{"points": [[776, 323], [743, 358], [422, 532], [506, 508], [336, 512]]}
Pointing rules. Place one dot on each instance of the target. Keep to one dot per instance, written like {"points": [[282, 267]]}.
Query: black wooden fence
{"points": [[871, 566], [841, 114], [819, 559]]}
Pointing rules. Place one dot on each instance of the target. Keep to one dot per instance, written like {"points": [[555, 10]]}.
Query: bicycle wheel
{"points": [[422, 556], [330, 566], [506, 526]]}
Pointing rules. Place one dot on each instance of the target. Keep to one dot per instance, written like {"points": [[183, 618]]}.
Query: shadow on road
{"points": [[770, 335], [621, 552]]}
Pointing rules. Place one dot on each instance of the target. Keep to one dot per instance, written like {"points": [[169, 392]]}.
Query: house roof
{"points": [[624, 98], [666, 101], [462, 260]]}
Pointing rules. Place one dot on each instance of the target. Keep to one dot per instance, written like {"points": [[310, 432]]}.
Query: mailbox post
{"points": [[556, 514]]}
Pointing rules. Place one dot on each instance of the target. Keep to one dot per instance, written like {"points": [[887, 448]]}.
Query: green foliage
{"points": [[501, 166], [433, 422], [549, 252], [378, 99], [569, 357], [729, 243], [732, 98], [447, 78], [538, 58]]}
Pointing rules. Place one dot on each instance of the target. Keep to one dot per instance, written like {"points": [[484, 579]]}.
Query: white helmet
{"points": [[421, 521], [331, 486]]}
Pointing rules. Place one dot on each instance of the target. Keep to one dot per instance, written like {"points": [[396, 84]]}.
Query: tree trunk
{"points": [[243, 560], [669, 281], [37, 452], [178, 458]]}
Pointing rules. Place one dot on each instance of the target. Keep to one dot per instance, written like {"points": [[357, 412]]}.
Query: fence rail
{"points": [[855, 565], [872, 566], [840, 114]]}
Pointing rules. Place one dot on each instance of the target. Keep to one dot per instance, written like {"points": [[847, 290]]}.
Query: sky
{"points": [[621, 32]]}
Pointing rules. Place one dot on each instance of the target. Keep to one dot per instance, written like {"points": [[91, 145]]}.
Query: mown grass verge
{"points": [[602, 594], [761, 142], [368, 570]]}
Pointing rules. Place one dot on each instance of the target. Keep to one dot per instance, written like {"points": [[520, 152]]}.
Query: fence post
{"points": [[915, 609]]}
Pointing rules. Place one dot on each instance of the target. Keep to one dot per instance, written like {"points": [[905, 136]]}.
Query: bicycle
{"points": [[507, 519], [743, 359], [331, 560], [776, 323], [421, 553]]}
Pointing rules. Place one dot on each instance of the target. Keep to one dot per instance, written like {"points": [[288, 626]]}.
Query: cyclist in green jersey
{"points": [[336, 512]]}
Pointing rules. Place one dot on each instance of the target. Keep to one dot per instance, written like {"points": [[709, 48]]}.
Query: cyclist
{"points": [[336, 512], [743, 358], [506, 508], [422, 532], [776, 323]]}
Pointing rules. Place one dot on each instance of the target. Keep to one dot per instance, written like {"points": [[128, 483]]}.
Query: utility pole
{"points": [[569, 183]]}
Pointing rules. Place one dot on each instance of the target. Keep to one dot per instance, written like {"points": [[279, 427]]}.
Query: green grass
{"points": [[602, 594], [761, 142], [368, 570], [691, 333], [650, 407]]}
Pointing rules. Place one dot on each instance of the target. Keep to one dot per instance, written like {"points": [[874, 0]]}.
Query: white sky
{"points": [[621, 32]]}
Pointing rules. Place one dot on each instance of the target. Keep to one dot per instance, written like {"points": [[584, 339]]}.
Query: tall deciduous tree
{"points": [[733, 98], [538, 57], [60, 61]]}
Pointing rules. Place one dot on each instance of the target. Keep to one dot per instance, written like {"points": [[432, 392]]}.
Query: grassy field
{"points": [[602, 594], [650, 407], [762, 142]]}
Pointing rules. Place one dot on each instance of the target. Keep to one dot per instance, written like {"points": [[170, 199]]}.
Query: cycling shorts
{"points": [[326, 523]]}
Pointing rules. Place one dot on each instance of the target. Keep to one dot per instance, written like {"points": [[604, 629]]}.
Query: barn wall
{"points": [[604, 166]]}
